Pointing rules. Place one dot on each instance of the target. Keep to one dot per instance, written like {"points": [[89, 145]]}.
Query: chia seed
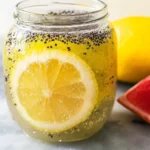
{"points": [[6, 79], [10, 59], [69, 49], [50, 135]]}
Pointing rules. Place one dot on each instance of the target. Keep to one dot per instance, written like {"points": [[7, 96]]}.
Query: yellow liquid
{"points": [[96, 47]]}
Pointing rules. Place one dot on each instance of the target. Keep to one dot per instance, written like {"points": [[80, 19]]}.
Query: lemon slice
{"points": [[54, 91]]}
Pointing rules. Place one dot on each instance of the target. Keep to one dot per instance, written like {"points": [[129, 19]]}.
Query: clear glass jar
{"points": [[71, 46]]}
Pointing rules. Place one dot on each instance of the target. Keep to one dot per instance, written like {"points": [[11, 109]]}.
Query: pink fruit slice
{"points": [[137, 99]]}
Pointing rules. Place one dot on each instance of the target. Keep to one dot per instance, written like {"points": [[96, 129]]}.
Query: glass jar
{"points": [[60, 68]]}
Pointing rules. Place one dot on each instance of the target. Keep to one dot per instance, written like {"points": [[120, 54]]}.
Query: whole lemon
{"points": [[133, 48]]}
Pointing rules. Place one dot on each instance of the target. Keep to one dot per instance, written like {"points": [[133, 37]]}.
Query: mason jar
{"points": [[60, 68]]}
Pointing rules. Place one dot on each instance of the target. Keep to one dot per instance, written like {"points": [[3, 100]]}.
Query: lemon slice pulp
{"points": [[54, 91]]}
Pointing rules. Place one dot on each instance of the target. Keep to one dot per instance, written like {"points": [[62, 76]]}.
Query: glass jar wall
{"points": [[60, 68]]}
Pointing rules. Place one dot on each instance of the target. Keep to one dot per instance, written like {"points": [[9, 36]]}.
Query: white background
{"points": [[117, 9], [6, 15]]}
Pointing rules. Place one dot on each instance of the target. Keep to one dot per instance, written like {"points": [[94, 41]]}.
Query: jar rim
{"points": [[21, 13]]}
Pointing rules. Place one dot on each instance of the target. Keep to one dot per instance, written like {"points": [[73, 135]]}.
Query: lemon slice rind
{"points": [[87, 78]]}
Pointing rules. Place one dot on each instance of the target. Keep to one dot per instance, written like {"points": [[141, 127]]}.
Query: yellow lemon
{"points": [[133, 48], [54, 91]]}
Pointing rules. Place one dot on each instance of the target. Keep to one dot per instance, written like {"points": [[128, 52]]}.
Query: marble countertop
{"points": [[124, 131]]}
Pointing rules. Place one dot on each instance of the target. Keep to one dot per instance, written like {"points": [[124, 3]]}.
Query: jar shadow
{"points": [[116, 133]]}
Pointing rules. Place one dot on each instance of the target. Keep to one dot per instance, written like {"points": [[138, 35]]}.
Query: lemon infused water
{"points": [[60, 68]]}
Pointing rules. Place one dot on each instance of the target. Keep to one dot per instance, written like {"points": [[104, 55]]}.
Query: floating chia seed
{"points": [[69, 49], [50, 13], [98, 110], [6, 79], [75, 128], [10, 59], [50, 135], [84, 53]]}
